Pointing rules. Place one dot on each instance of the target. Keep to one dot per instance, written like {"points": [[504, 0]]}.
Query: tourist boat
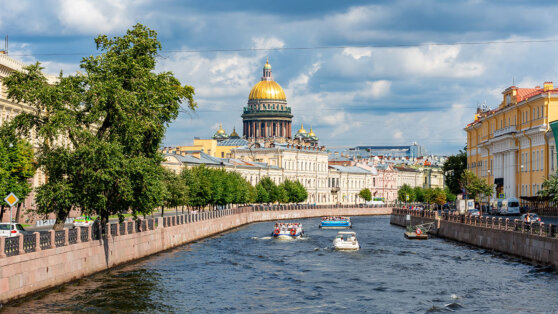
{"points": [[346, 241], [287, 230], [336, 223]]}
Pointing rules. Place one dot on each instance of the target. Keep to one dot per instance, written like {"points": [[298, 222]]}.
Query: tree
{"points": [[271, 189], [474, 186], [435, 196], [406, 193], [176, 190], [550, 188], [365, 194], [450, 197], [17, 166], [300, 193], [453, 169], [419, 194], [113, 114], [262, 195]]}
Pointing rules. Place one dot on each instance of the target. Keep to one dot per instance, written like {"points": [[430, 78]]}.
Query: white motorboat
{"points": [[346, 241], [287, 230]]}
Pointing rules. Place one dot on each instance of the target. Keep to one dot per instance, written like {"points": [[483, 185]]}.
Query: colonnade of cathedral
{"points": [[267, 128]]}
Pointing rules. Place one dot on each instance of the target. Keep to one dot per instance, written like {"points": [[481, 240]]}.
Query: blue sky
{"points": [[385, 83]]}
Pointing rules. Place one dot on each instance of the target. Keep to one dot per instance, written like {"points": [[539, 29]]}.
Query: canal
{"points": [[244, 270]]}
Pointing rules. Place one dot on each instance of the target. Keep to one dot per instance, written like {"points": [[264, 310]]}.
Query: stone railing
{"points": [[535, 228], [45, 240]]}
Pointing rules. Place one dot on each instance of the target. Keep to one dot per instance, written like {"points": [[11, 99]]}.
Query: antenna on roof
{"points": [[5, 51]]}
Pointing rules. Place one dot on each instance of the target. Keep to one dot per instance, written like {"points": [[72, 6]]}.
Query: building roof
{"points": [[233, 142], [349, 169]]}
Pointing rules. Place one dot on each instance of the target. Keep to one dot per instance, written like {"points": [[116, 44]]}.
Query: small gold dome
{"points": [[302, 130], [267, 65], [234, 132], [267, 90], [311, 132], [220, 131]]}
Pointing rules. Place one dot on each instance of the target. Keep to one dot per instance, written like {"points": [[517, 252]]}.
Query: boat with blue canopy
{"points": [[336, 222]]}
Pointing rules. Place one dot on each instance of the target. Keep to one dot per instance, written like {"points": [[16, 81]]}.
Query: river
{"points": [[246, 271]]}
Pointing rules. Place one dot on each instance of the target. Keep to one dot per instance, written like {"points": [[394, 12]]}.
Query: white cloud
{"points": [[267, 43], [377, 89], [99, 16], [357, 52]]}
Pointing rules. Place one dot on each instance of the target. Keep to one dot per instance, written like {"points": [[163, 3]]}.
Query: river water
{"points": [[244, 270]]}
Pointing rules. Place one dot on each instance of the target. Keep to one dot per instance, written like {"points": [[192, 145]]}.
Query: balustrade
{"points": [[29, 243], [11, 246]]}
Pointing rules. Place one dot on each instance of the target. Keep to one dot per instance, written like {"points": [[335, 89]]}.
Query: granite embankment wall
{"points": [[40, 261], [536, 243]]}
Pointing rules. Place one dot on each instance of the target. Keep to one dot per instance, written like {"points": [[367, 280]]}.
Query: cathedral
{"points": [[267, 118]]}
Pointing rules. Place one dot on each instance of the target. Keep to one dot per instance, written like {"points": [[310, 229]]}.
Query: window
{"points": [[551, 159], [538, 161], [538, 113]]}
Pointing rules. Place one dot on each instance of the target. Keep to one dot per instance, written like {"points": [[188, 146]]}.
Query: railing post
{"points": [[159, 222], [108, 231], [117, 228], [21, 250], [52, 239], [550, 234], [89, 230], [66, 236], [37, 241], [507, 223], [78, 235], [2, 247], [541, 228]]}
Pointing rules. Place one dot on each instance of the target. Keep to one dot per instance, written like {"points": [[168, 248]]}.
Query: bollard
{"points": [[52, 240], [37, 241]]}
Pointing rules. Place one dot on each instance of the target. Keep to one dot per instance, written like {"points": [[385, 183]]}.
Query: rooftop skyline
{"points": [[359, 73]]}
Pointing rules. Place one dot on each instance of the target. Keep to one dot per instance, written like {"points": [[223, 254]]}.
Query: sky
{"points": [[357, 72]]}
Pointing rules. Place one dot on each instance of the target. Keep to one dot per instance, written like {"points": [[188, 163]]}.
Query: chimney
{"points": [[548, 86]]}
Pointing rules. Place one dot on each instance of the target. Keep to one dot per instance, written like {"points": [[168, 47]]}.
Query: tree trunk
{"points": [[162, 211], [61, 219], [1, 212], [18, 211]]}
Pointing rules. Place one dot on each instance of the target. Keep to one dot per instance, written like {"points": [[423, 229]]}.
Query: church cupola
{"points": [[267, 72]]}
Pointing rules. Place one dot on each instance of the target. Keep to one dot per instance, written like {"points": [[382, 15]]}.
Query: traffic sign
{"points": [[11, 199], [502, 196], [407, 197]]}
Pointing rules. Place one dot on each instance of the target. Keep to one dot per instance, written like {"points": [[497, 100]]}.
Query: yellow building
{"points": [[513, 146]]}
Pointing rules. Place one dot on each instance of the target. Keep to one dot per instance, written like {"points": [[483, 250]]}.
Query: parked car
{"points": [[474, 212], [83, 221], [532, 217], [11, 229]]}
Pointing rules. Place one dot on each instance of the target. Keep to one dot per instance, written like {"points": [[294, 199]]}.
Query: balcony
{"points": [[335, 189], [507, 130]]}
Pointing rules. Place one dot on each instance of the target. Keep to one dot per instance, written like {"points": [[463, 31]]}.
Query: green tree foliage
{"points": [[295, 191], [450, 197], [404, 191], [435, 196], [474, 186], [262, 195], [419, 194], [215, 187], [114, 113], [550, 188], [17, 166], [453, 169], [271, 190], [176, 191], [365, 194]]}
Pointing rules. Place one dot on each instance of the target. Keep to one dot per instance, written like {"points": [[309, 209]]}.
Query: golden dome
{"points": [[267, 65], [267, 90], [234, 133], [220, 131], [302, 130], [311, 132]]}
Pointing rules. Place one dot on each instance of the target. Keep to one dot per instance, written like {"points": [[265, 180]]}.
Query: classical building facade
{"points": [[267, 114], [514, 145]]}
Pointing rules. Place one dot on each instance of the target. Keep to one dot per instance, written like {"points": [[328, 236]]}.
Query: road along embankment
{"points": [[39, 261], [537, 243]]}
